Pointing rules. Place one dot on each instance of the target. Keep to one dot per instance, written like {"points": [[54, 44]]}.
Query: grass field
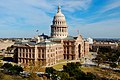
{"points": [[59, 66], [10, 77], [102, 72]]}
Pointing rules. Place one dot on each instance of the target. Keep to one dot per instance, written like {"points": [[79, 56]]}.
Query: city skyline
{"points": [[93, 18]]}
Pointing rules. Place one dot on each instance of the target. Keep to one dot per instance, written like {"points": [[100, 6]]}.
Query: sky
{"points": [[93, 18]]}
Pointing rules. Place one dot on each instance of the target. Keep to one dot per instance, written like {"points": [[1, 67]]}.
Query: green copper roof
{"points": [[24, 43], [69, 38], [46, 43], [54, 39]]}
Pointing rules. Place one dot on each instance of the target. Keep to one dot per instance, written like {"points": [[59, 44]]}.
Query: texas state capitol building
{"points": [[50, 50]]}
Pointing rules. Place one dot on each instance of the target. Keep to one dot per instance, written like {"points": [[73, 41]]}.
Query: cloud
{"points": [[103, 29], [21, 12], [24, 17], [111, 5], [73, 5], [108, 11], [17, 17]]}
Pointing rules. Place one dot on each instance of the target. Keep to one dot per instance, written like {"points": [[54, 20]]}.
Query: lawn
{"points": [[95, 70], [101, 72], [61, 61], [58, 66], [10, 77]]}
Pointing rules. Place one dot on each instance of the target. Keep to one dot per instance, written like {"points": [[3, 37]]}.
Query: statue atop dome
{"points": [[59, 9]]}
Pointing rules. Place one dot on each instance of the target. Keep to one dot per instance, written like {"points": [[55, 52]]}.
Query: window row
{"points": [[26, 55], [26, 50]]}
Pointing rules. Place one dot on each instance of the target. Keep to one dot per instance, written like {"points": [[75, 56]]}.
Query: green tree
{"points": [[63, 75], [17, 69], [7, 66], [50, 70], [99, 59], [71, 78], [71, 66], [12, 69], [73, 70], [78, 74], [90, 76], [107, 55], [113, 65]]}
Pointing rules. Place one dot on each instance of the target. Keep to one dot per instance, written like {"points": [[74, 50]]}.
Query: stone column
{"points": [[31, 53], [28, 52], [36, 53], [24, 53], [21, 52], [18, 52]]}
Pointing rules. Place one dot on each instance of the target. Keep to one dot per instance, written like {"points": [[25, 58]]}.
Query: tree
{"points": [[90, 76], [107, 55], [78, 74], [78, 64], [71, 66], [73, 70], [33, 76], [50, 70], [1, 75], [71, 78], [7, 66], [113, 65], [18, 69], [63, 75], [99, 59]]}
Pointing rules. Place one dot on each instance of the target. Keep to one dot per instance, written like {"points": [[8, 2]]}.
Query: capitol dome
{"points": [[59, 14], [59, 25], [59, 18]]}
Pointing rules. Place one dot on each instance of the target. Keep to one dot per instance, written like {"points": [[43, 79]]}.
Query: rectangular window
{"points": [[20, 55], [42, 50], [42, 55], [23, 54], [39, 55], [26, 55], [30, 55], [29, 50], [33, 55]]}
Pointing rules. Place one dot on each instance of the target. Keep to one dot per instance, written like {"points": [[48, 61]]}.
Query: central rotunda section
{"points": [[59, 25]]}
